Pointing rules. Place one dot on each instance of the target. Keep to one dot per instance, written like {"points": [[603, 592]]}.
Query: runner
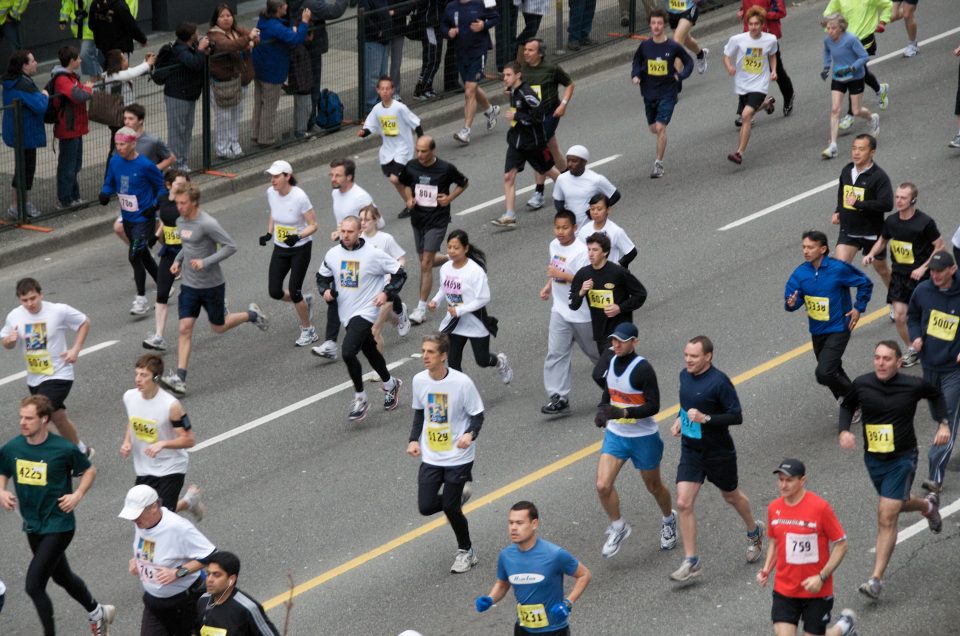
{"points": [[447, 417], [822, 285], [291, 223], [913, 238], [888, 402], [932, 319], [158, 436], [526, 139], [42, 467], [776, 11], [622, 249], [631, 397], [137, 183], [683, 15], [353, 272], [464, 287], [535, 568], [709, 406], [170, 244], [168, 556], [567, 257], [756, 65], [395, 312], [574, 188], [396, 124], [905, 10], [42, 327], [807, 545], [225, 610], [427, 180], [845, 60], [654, 71], [205, 246]]}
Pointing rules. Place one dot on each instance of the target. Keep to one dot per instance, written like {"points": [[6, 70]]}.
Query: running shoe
{"points": [[934, 519], [418, 92], [464, 560], [668, 533], [573, 45], [308, 298], [404, 213], [403, 321], [90, 452], [418, 316], [536, 201], [194, 505], [953, 143], [588, 42], [847, 623], [688, 569], [614, 538], [892, 316], [931, 486], [556, 406], [140, 306], [883, 96], [463, 136], [155, 342], [911, 50], [391, 397], [738, 122], [505, 221], [327, 350], [307, 337], [769, 105], [702, 61], [33, 212], [492, 117], [430, 93], [830, 152], [845, 122], [503, 368], [174, 383], [261, 321], [875, 124], [735, 157], [872, 588], [755, 544], [657, 171], [788, 105], [910, 358], [12, 211], [358, 410], [101, 627]]}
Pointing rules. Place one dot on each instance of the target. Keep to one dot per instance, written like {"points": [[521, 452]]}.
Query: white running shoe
{"points": [[464, 561], [911, 50], [883, 96], [536, 201], [262, 322], [140, 306], [503, 368], [955, 142], [492, 117], [327, 350], [845, 122], [875, 124], [463, 136], [101, 627], [687, 570], [847, 623], [418, 316], [155, 342], [194, 506], [830, 152], [174, 383], [614, 539], [702, 61], [307, 337], [403, 321], [668, 533]]}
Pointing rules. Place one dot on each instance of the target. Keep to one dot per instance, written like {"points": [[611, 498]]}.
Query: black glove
{"points": [[265, 239], [607, 412], [103, 198], [292, 239], [825, 73], [599, 420]]}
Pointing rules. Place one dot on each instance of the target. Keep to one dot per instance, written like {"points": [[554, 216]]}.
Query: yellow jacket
{"points": [[12, 9], [68, 13]]}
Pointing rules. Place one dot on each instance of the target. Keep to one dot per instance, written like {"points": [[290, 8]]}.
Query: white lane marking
{"points": [[83, 352], [296, 406], [530, 188], [825, 186], [922, 526]]}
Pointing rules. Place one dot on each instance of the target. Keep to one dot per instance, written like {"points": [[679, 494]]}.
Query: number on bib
{"points": [[802, 549], [31, 473], [942, 326], [128, 202], [600, 298], [678, 6], [657, 67], [144, 429], [439, 438], [753, 61], [857, 192], [281, 232], [170, 235], [206, 630], [689, 428], [39, 363], [818, 307], [879, 438], [902, 252], [425, 195], [532, 616], [388, 123], [536, 88]]}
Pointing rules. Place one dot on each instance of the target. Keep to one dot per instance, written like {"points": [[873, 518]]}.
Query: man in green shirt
{"points": [[42, 467]]}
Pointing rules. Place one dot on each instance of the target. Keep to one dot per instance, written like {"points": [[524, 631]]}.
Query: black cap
{"points": [[941, 260], [791, 468], [625, 331]]}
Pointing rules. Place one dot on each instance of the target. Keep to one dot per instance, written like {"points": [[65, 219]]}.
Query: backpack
{"points": [[164, 65], [329, 110], [54, 104]]}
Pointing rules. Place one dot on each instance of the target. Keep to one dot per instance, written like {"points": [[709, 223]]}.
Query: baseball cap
{"points": [[941, 260], [279, 167], [137, 500], [791, 468], [625, 331], [579, 151]]}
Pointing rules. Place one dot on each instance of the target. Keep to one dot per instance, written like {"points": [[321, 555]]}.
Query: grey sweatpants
{"points": [[560, 339]]}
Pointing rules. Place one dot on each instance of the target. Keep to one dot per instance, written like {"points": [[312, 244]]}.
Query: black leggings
{"points": [[870, 43], [430, 501], [531, 24], [30, 168], [359, 337], [50, 561], [430, 57], [783, 80], [164, 276], [139, 255], [296, 261], [481, 351]]}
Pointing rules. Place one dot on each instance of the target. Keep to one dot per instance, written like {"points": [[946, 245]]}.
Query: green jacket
{"points": [[12, 9], [862, 15], [68, 13]]}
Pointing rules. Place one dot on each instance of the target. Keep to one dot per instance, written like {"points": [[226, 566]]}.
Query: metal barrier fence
{"points": [[223, 127]]}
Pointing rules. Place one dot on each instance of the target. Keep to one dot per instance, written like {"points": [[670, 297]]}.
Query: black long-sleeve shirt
{"points": [[612, 285], [712, 393], [643, 377], [874, 199]]}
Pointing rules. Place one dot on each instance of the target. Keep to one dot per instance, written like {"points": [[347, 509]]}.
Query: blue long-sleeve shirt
{"points": [[271, 58], [461, 15], [825, 294], [933, 315], [137, 183], [847, 51]]}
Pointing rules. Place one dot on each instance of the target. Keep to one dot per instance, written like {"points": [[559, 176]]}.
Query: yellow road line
{"points": [[526, 480]]}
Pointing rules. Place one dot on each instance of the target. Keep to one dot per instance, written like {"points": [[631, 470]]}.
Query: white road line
{"points": [[923, 526], [83, 352], [296, 406], [831, 184], [530, 188]]}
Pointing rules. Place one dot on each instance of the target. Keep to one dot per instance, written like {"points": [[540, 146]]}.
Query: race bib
{"points": [[513, 122], [349, 274], [688, 427], [425, 195], [538, 90], [857, 192], [802, 549], [39, 363], [818, 307], [942, 326], [879, 438], [147, 571], [206, 630], [439, 437], [600, 298], [388, 124], [678, 6], [170, 235], [281, 232], [532, 616], [144, 429], [657, 67], [128, 202], [753, 61], [31, 473], [902, 252]]}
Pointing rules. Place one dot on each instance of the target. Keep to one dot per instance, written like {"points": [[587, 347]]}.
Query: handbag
{"points": [[106, 108], [227, 93]]}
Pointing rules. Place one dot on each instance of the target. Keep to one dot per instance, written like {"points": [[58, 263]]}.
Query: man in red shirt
{"points": [[806, 545]]}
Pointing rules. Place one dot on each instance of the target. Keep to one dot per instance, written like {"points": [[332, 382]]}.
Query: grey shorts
{"points": [[428, 239]]}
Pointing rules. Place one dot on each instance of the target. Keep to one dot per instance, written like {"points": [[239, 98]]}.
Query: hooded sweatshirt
{"points": [[933, 315]]}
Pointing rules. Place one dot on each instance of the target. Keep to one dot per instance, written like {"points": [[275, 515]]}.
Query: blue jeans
{"points": [[374, 67], [69, 163], [949, 383], [581, 19]]}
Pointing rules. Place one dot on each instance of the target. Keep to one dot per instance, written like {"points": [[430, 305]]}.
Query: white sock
{"points": [[422, 305], [618, 524], [390, 384], [82, 446], [362, 395], [669, 518], [489, 111], [96, 614]]}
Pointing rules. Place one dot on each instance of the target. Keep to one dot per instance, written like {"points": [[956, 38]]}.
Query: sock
{"points": [[511, 214], [929, 508], [669, 519], [422, 305], [362, 395], [618, 524], [700, 55], [96, 614], [390, 384], [82, 446], [251, 316], [539, 188], [489, 111], [754, 533], [693, 559], [182, 374]]}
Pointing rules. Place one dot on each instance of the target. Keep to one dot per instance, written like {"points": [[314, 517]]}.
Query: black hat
{"points": [[791, 468], [941, 260]]}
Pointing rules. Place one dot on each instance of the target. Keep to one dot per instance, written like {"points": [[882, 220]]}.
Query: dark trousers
{"points": [[430, 57], [783, 80], [506, 34], [139, 254], [430, 501], [359, 337], [69, 162], [292, 260], [828, 349], [333, 322], [173, 616], [50, 561], [164, 277], [481, 351]]}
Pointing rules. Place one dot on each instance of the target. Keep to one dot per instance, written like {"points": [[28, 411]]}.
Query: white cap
{"points": [[279, 167], [137, 500], [410, 632], [579, 151]]}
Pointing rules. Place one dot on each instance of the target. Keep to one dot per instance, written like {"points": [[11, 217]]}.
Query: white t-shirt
{"points": [[287, 212], [447, 405], [620, 243], [43, 339], [753, 65], [396, 126], [576, 192], [350, 203], [149, 423], [386, 242], [569, 258], [169, 544], [466, 289], [358, 278]]}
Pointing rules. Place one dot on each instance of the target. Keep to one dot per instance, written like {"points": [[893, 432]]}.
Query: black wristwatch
{"points": [[182, 572]]}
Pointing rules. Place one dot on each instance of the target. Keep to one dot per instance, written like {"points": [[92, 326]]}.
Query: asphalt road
{"points": [[306, 491]]}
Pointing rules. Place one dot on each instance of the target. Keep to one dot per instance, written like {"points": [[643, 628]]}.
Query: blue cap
{"points": [[625, 331]]}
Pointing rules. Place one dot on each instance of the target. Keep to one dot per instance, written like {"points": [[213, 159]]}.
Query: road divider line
{"points": [[526, 480], [922, 526], [83, 352]]}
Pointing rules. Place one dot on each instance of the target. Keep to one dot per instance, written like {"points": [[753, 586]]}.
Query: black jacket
{"points": [[186, 80], [875, 196], [113, 26], [318, 42]]}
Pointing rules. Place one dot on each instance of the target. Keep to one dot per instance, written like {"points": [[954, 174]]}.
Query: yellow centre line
{"points": [[526, 480]]}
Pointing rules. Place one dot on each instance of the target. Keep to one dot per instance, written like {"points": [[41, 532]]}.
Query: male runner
{"points": [[806, 546], [42, 327], [42, 467], [225, 610], [535, 568], [888, 402], [574, 188], [905, 10], [709, 405], [353, 273], [683, 15], [170, 244], [776, 11], [623, 251], [447, 417]]}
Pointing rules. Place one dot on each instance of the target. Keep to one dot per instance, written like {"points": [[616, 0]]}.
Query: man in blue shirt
{"points": [[535, 568]]}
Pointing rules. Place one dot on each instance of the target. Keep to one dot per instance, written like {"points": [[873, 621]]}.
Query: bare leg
{"points": [[686, 496], [900, 319], [118, 230], [883, 270], [747, 118], [655, 486], [230, 321], [160, 317], [469, 103], [845, 253], [836, 110], [607, 469], [67, 429], [510, 189], [741, 504], [426, 274], [887, 514], [682, 36], [185, 344], [660, 130], [561, 161]]}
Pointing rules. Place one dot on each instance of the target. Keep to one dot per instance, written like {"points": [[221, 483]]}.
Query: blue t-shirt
{"points": [[713, 394], [136, 182], [537, 579]]}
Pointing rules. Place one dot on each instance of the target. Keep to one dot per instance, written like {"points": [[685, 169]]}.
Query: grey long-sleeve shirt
{"points": [[203, 238]]}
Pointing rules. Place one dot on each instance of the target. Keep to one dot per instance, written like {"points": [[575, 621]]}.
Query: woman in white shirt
{"points": [[118, 79], [464, 286], [395, 312]]}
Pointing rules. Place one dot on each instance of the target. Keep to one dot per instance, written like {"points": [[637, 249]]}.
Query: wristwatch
{"points": [[182, 572], [706, 419]]}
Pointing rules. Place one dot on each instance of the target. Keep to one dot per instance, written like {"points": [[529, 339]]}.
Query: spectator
{"points": [[18, 84], [11, 12], [76, 15], [230, 64], [533, 12], [117, 78], [317, 44], [114, 26], [182, 89], [398, 12], [581, 23], [271, 63], [505, 32], [426, 19], [376, 33], [71, 125], [300, 85]]}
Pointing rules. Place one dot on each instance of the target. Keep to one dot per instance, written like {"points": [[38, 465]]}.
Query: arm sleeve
{"points": [[155, 177], [644, 378], [35, 101], [733, 412], [457, 177], [327, 10], [777, 10], [575, 298], [883, 202], [856, 278], [793, 284], [827, 58], [476, 423], [131, 73], [637, 70], [628, 258], [862, 55], [191, 59], [847, 408], [227, 245], [417, 428], [914, 316], [637, 293], [687, 62], [481, 299], [490, 18]]}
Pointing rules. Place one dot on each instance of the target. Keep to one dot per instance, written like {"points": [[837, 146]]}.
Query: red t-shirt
{"points": [[803, 534]]}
